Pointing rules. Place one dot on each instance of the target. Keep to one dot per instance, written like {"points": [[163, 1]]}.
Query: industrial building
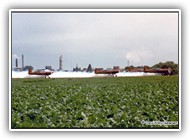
{"points": [[17, 68]]}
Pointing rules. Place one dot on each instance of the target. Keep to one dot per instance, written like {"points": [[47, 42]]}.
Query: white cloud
{"points": [[139, 57], [15, 56]]}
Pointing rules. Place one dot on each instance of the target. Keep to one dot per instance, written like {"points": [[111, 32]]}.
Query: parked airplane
{"points": [[111, 72], [45, 73]]}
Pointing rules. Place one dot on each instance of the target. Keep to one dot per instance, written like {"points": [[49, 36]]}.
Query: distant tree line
{"points": [[166, 65], [163, 65], [28, 67]]}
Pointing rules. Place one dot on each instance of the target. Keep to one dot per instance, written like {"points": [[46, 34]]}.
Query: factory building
{"points": [[76, 69], [17, 68]]}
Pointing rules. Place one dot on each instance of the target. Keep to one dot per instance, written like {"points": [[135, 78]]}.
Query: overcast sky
{"points": [[100, 39]]}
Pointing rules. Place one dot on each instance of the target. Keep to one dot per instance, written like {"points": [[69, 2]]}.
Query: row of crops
{"points": [[94, 102]]}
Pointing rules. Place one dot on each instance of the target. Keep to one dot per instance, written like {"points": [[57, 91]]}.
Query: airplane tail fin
{"points": [[96, 70], [145, 69], [29, 71]]}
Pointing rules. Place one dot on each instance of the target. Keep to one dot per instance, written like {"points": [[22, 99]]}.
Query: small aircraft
{"points": [[111, 72], [45, 73], [159, 71]]}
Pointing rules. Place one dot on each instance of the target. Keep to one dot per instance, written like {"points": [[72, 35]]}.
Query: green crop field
{"points": [[124, 102]]}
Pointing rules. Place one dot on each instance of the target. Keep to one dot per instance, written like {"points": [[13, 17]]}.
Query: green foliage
{"points": [[168, 64], [28, 67], [94, 102]]}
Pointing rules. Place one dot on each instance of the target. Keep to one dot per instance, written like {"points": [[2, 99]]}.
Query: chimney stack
{"points": [[22, 61], [60, 63], [16, 63]]}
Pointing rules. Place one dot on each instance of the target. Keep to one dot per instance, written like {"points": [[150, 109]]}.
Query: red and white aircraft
{"points": [[45, 73]]}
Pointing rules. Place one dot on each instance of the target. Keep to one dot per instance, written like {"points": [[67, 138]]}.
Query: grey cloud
{"points": [[101, 39]]}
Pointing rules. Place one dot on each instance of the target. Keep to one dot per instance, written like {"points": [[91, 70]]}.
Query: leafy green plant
{"points": [[94, 102]]}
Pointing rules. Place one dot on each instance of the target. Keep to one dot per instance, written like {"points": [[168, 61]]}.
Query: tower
{"points": [[16, 63], [61, 62], [22, 61]]}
